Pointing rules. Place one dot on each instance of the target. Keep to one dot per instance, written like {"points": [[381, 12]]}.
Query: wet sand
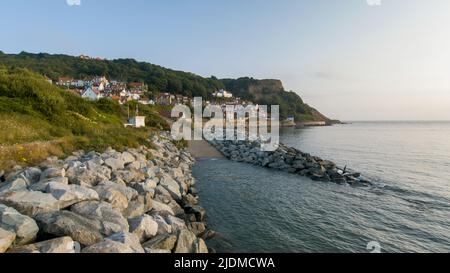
{"points": [[202, 149]]}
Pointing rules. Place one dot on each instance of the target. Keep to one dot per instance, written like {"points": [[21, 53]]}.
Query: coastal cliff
{"points": [[142, 200]]}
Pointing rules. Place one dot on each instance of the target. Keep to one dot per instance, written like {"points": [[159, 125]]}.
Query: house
{"points": [[137, 121], [138, 87], [165, 99], [78, 83], [223, 94], [65, 81], [91, 94]]}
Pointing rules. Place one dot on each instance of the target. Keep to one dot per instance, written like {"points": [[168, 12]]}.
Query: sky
{"points": [[349, 59]]}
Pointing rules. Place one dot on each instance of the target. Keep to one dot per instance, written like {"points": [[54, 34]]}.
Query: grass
{"points": [[38, 120]]}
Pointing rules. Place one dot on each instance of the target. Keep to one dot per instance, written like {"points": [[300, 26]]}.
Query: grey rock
{"points": [[59, 245], [18, 184], [163, 241], [144, 227], [162, 209], [198, 228], [6, 239], [171, 186], [128, 239], [186, 242], [42, 185], [67, 195], [157, 251], [163, 226], [23, 226], [66, 223], [115, 163], [127, 158], [111, 219], [108, 246], [135, 208], [176, 223], [30, 202], [52, 172]]}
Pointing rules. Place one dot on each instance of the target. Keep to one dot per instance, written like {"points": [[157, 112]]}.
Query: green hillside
{"points": [[160, 79], [38, 120]]}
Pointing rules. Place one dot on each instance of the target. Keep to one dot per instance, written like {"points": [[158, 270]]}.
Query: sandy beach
{"points": [[201, 148]]}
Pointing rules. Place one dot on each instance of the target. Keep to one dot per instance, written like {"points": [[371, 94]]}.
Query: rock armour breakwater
{"points": [[290, 160], [136, 201]]}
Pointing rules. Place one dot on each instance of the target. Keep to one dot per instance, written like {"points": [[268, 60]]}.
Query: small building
{"points": [[137, 121], [91, 94], [223, 94], [65, 81], [165, 99]]}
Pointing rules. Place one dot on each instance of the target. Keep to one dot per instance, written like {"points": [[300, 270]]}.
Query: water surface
{"points": [[407, 210]]}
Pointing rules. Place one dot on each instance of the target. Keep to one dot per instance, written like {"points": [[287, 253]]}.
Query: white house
{"points": [[91, 94], [137, 121], [222, 94]]}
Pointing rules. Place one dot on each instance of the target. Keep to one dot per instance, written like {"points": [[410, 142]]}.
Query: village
{"points": [[98, 87]]}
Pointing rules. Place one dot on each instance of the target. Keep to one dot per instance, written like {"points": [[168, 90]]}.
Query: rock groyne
{"points": [[290, 160], [137, 201]]}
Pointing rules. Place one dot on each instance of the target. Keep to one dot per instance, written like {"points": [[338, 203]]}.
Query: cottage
{"points": [[137, 121], [165, 99], [223, 94], [65, 81], [91, 94]]}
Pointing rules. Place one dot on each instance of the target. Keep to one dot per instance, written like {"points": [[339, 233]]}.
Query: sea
{"points": [[406, 210]]}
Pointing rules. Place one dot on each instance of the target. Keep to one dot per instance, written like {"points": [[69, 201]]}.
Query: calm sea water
{"points": [[407, 210]]}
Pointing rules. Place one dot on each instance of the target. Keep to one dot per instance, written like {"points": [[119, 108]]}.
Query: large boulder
{"points": [[144, 227], [79, 174], [66, 223], [163, 226], [115, 163], [110, 218], [162, 209], [23, 226], [171, 186], [136, 208], [108, 246], [30, 202], [113, 196], [147, 186], [17, 184], [6, 239], [128, 192], [128, 239], [42, 185], [59, 245], [199, 212], [186, 242], [53, 172], [67, 195], [163, 241], [127, 158], [176, 223]]}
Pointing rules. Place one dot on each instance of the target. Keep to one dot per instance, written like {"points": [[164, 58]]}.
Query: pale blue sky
{"points": [[348, 59]]}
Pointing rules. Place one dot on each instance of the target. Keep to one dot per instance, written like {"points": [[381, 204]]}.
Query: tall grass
{"points": [[37, 120]]}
